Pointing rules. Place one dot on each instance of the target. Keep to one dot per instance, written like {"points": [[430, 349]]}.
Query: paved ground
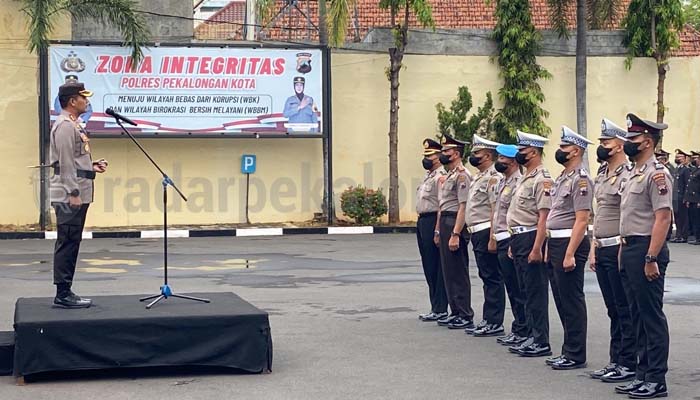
{"points": [[343, 314]]}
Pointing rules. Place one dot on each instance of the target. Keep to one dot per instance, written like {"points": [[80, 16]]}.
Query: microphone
{"points": [[116, 115]]}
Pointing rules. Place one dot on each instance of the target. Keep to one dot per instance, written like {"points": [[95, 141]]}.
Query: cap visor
{"points": [[86, 93]]}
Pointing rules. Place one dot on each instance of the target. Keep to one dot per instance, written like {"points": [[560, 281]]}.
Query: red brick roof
{"points": [[448, 14]]}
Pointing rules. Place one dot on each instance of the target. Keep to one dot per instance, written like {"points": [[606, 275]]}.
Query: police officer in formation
{"points": [[680, 184], [568, 247], [71, 188], [645, 216], [513, 281], [692, 196], [526, 219], [537, 231], [604, 255], [454, 258], [427, 206], [480, 207]]}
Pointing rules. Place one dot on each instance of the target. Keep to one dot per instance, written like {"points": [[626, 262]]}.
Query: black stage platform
{"points": [[118, 332]]}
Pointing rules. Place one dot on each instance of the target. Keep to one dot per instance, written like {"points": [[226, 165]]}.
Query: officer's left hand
{"points": [[651, 270], [493, 247], [454, 243], [99, 167], [569, 264]]}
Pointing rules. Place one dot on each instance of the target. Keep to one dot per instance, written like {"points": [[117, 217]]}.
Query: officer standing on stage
{"points": [[644, 220], [604, 256], [680, 184], [514, 283], [568, 246], [527, 217], [427, 206], [71, 188], [454, 189], [692, 196], [480, 206]]}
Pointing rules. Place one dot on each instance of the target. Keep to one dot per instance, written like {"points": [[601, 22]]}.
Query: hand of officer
{"points": [[493, 247], [304, 103], [535, 256], [510, 253], [651, 270], [569, 263], [74, 201], [99, 166], [454, 242], [592, 260], [687, 205], [436, 238]]}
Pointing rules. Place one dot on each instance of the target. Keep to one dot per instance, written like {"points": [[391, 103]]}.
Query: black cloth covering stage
{"points": [[118, 332]]}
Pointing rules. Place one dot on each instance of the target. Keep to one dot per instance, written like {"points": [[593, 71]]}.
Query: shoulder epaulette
{"points": [[658, 165], [546, 173]]}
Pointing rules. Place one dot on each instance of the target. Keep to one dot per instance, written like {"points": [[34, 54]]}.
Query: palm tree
{"points": [[122, 14], [595, 13]]}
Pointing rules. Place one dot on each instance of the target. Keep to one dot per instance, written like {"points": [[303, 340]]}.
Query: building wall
{"points": [[288, 183]]}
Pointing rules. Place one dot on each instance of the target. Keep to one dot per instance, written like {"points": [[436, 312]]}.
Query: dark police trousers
{"points": [[622, 337], [572, 301], [490, 274], [694, 214], [455, 268], [70, 223], [646, 306], [680, 215], [430, 258], [515, 288], [536, 286]]}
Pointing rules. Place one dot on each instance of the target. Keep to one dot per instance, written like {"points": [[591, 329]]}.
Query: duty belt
{"points": [[479, 227], [428, 214], [607, 242], [501, 236], [517, 230], [561, 233], [82, 173]]}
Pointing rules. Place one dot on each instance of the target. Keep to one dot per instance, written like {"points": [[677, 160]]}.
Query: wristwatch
{"points": [[75, 193], [649, 259], [454, 234]]}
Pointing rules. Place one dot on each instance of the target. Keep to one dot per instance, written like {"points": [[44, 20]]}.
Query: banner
{"points": [[197, 91]]}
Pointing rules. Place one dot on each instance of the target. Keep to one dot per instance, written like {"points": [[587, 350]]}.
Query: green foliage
{"points": [[599, 14], [363, 205], [338, 19], [668, 15], [122, 14], [264, 10], [691, 13], [454, 121], [518, 43]]}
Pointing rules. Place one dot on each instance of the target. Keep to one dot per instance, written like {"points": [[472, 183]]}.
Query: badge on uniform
{"points": [[85, 140], [583, 187], [506, 190], [660, 180], [547, 185]]}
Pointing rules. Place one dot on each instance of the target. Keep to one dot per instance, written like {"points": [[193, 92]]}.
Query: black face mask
{"points": [[678, 162], [603, 154], [521, 158], [444, 159], [561, 156], [474, 161], [695, 162], [500, 167], [427, 163], [632, 149]]}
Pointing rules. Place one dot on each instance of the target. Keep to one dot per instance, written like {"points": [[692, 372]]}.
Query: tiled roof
{"points": [[448, 14]]}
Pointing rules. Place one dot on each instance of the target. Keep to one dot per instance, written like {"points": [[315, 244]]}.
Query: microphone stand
{"points": [[165, 290]]}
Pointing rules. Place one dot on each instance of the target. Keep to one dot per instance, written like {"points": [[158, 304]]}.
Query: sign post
{"points": [[248, 164]]}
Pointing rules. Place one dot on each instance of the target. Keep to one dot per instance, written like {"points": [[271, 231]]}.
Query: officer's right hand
{"points": [[74, 201], [436, 239], [591, 260], [453, 243], [535, 256]]}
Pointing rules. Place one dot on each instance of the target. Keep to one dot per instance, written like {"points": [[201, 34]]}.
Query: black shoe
{"points": [[553, 360], [460, 323], [431, 316], [566, 364], [470, 330], [649, 390], [517, 347], [630, 387], [503, 339], [446, 320], [536, 350], [71, 301], [489, 330], [515, 341], [599, 373], [619, 374]]}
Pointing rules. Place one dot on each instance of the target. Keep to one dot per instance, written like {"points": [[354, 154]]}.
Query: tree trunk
{"points": [[581, 67], [395, 58], [662, 68], [322, 23]]}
